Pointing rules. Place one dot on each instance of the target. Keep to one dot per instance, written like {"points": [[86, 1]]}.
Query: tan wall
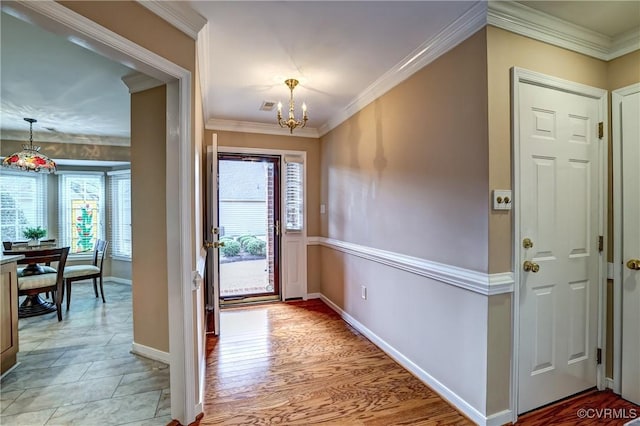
{"points": [[148, 219], [409, 172]]}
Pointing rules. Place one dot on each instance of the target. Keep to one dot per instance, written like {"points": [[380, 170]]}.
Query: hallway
{"points": [[299, 363]]}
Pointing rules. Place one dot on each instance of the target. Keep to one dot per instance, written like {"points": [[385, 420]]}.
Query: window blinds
{"points": [[120, 213], [23, 201], [294, 194]]}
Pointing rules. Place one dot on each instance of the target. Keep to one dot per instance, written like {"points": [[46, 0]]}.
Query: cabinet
{"points": [[8, 311]]}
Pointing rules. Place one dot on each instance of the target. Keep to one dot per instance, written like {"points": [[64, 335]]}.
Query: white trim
{"points": [[609, 383], [151, 353], [616, 99], [57, 18], [610, 269], [117, 280], [526, 21], [455, 33], [478, 282], [178, 14], [13, 367], [119, 172], [138, 82], [204, 70], [446, 393], [262, 128], [519, 75]]}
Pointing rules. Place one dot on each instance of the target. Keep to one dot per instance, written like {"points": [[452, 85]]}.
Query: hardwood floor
{"points": [[299, 363], [589, 408]]}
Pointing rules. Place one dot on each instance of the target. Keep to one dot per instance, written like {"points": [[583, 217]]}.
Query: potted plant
{"points": [[34, 234]]}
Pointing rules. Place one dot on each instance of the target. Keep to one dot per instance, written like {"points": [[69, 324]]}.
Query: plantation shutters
{"points": [[294, 194]]}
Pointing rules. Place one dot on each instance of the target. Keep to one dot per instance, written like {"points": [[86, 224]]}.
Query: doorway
{"points": [[249, 227], [559, 162]]}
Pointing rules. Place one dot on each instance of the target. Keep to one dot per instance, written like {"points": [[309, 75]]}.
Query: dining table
{"points": [[33, 304]]}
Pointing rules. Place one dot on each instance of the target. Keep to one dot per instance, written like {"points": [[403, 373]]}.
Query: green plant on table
{"points": [[34, 233]]}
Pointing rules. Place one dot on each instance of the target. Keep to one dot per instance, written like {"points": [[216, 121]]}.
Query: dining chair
{"points": [[83, 272], [52, 279]]}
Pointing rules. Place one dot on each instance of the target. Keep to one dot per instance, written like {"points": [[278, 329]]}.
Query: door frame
{"points": [[183, 281], [616, 99], [282, 153], [520, 75], [276, 161]]}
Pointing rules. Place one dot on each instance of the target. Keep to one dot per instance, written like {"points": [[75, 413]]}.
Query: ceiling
{"points": [[338, 50]]}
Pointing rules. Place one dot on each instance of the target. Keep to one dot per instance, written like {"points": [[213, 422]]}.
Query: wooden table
{"points": [[33, 304]]}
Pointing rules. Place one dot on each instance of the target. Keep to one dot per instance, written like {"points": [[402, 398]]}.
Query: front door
{"points": [[249, 226], [559, 165], [630, 127]]}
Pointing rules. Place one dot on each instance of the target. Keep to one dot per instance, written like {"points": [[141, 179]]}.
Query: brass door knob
{"points": [[214, 244], [531, 266], [634, 264]]}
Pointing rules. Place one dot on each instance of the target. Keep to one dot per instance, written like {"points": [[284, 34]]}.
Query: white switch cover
{"points": [[323, 209], [502, 199]]}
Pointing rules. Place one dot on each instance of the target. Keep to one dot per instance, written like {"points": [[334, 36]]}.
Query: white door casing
{"points": [[626, 134], [558, 194]]}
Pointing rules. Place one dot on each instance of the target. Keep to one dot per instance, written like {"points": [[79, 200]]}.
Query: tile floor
{"points": [[80, 371]]}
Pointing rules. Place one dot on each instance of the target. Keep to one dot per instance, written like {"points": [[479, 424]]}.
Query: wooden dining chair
{"points": [[52, 278], [83, 272]]}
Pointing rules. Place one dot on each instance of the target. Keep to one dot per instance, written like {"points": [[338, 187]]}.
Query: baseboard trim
{"points": [[13, 367], [151, 353], [446, 393], [478, 282], [608, 383], [117, 280]]}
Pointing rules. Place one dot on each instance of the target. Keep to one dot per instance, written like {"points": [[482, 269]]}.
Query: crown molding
{"points": [[523, 20], [202, 62], [178, 14], [455, 33], [138, 82], [253, 127]]}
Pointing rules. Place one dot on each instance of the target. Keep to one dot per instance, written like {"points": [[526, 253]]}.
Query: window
{"points": [[120, 218], [294, 194], [23, 200], [81, 210]]}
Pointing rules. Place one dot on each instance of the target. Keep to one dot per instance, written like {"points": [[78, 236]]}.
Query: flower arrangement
{"points": [[34, 233]]}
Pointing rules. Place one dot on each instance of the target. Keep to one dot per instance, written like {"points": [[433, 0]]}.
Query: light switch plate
{"points": [[502, 199]]}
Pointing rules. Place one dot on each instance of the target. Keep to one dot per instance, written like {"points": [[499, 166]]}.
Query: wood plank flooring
{"points": [[570, 412], [298, 363]]}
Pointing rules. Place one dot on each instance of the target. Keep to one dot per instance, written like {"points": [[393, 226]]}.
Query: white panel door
{"points": [[630, 377], [212, 235], [558, 193]]}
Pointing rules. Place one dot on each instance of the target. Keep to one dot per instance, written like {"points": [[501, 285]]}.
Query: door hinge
{"points": [[600, 243], [601, 130], [599, 356]]}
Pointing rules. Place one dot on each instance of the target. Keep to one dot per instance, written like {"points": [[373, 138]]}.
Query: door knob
{"points": [[531, 266], [634, 264], [214, 244], [527, 243]]}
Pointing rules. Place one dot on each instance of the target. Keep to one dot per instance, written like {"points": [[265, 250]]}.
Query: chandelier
{"points": [[30, 159], [291, 122]]}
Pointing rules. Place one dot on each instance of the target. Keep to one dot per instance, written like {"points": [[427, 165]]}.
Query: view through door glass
{"points": [[248, 217]]}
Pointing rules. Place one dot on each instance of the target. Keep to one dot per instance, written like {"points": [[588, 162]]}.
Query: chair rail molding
{"points": [[478, 282]]}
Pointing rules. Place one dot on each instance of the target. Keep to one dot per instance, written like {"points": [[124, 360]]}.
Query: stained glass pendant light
{"points": [[30, 159]]}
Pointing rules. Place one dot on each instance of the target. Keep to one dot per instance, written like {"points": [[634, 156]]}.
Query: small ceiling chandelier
{"points": [[291, 122], [29, 159]]}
